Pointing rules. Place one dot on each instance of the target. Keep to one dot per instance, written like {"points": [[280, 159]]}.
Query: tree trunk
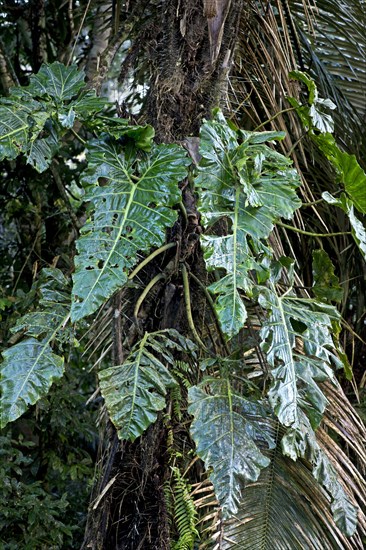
{"points": [[189, 65]]}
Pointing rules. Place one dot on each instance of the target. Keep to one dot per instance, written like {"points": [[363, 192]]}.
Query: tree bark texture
{"points": [[189, 55]]}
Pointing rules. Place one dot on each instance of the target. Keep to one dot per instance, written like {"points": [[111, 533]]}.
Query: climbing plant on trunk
{"points": [[222, 393]]}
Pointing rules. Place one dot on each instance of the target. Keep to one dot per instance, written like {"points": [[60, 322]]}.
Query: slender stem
{"points": [[79, 138], [187, 299], [146, 291], [312, 203], [151, 257], [184, 212], [275, 116], [78, 33], [292, 228], [60, 186]]}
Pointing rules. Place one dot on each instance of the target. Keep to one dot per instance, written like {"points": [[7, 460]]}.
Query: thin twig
{"points": [[74, 220], [187, 299], [79, 31]]}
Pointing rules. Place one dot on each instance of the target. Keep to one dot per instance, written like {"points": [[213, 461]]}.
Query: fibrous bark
{"points": [[187, 79]]}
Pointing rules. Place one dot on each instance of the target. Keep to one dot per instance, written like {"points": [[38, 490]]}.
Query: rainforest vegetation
{"points": [[182, 284]]}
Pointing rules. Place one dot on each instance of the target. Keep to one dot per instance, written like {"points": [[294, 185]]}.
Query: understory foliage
{"points": [[256, 390]]}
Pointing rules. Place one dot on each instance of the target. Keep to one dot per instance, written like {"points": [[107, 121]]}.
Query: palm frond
{"points": [[286, 508]]}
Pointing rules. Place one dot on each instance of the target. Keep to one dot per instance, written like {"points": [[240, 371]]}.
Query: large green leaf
{"points": [[226, 429], [314, 114], [120, 128], [135, 391], [132, 209], [56, 81], [31, 366], [349, 172], [249, 186], [32, 127], [21, 123], [292, 321]]}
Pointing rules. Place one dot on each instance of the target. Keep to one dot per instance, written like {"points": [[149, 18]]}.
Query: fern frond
{"points": [[185, 513]]}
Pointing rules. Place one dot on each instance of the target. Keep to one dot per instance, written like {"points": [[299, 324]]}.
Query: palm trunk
{"points": [[189, 67]]}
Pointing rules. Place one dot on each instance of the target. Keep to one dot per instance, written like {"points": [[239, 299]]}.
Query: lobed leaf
{"points": [[27, 373], [348, 170], [31, 366], [135, 392], [248, 186], [226, 431], [56, 81], [315, 112], [132, 210], [292, 322]]}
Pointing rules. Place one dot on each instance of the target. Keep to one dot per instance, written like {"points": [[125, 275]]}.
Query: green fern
{"points": [[185, 513]]}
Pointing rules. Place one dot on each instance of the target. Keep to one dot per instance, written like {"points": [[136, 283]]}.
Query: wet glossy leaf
{"points": [[56, 81], [349, 172], [121, 129], [135, 392], [132, 210], [227, 429], [292, 320], [27, 373], [31, 366], [320, 120], [247, 186], [21, 122]]}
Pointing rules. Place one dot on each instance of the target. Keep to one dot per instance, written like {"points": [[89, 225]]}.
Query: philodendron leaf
{"points": [[26, 375], [31, 366], [135, 391], [120, 128], [30, 126], [357, 227], [301, 442], [132, 210], [294, 322], [315, 111], [56, 81], [326, 285], [226, 429], [349, 172], [347, 168], [21, 123], [247, 186]]}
